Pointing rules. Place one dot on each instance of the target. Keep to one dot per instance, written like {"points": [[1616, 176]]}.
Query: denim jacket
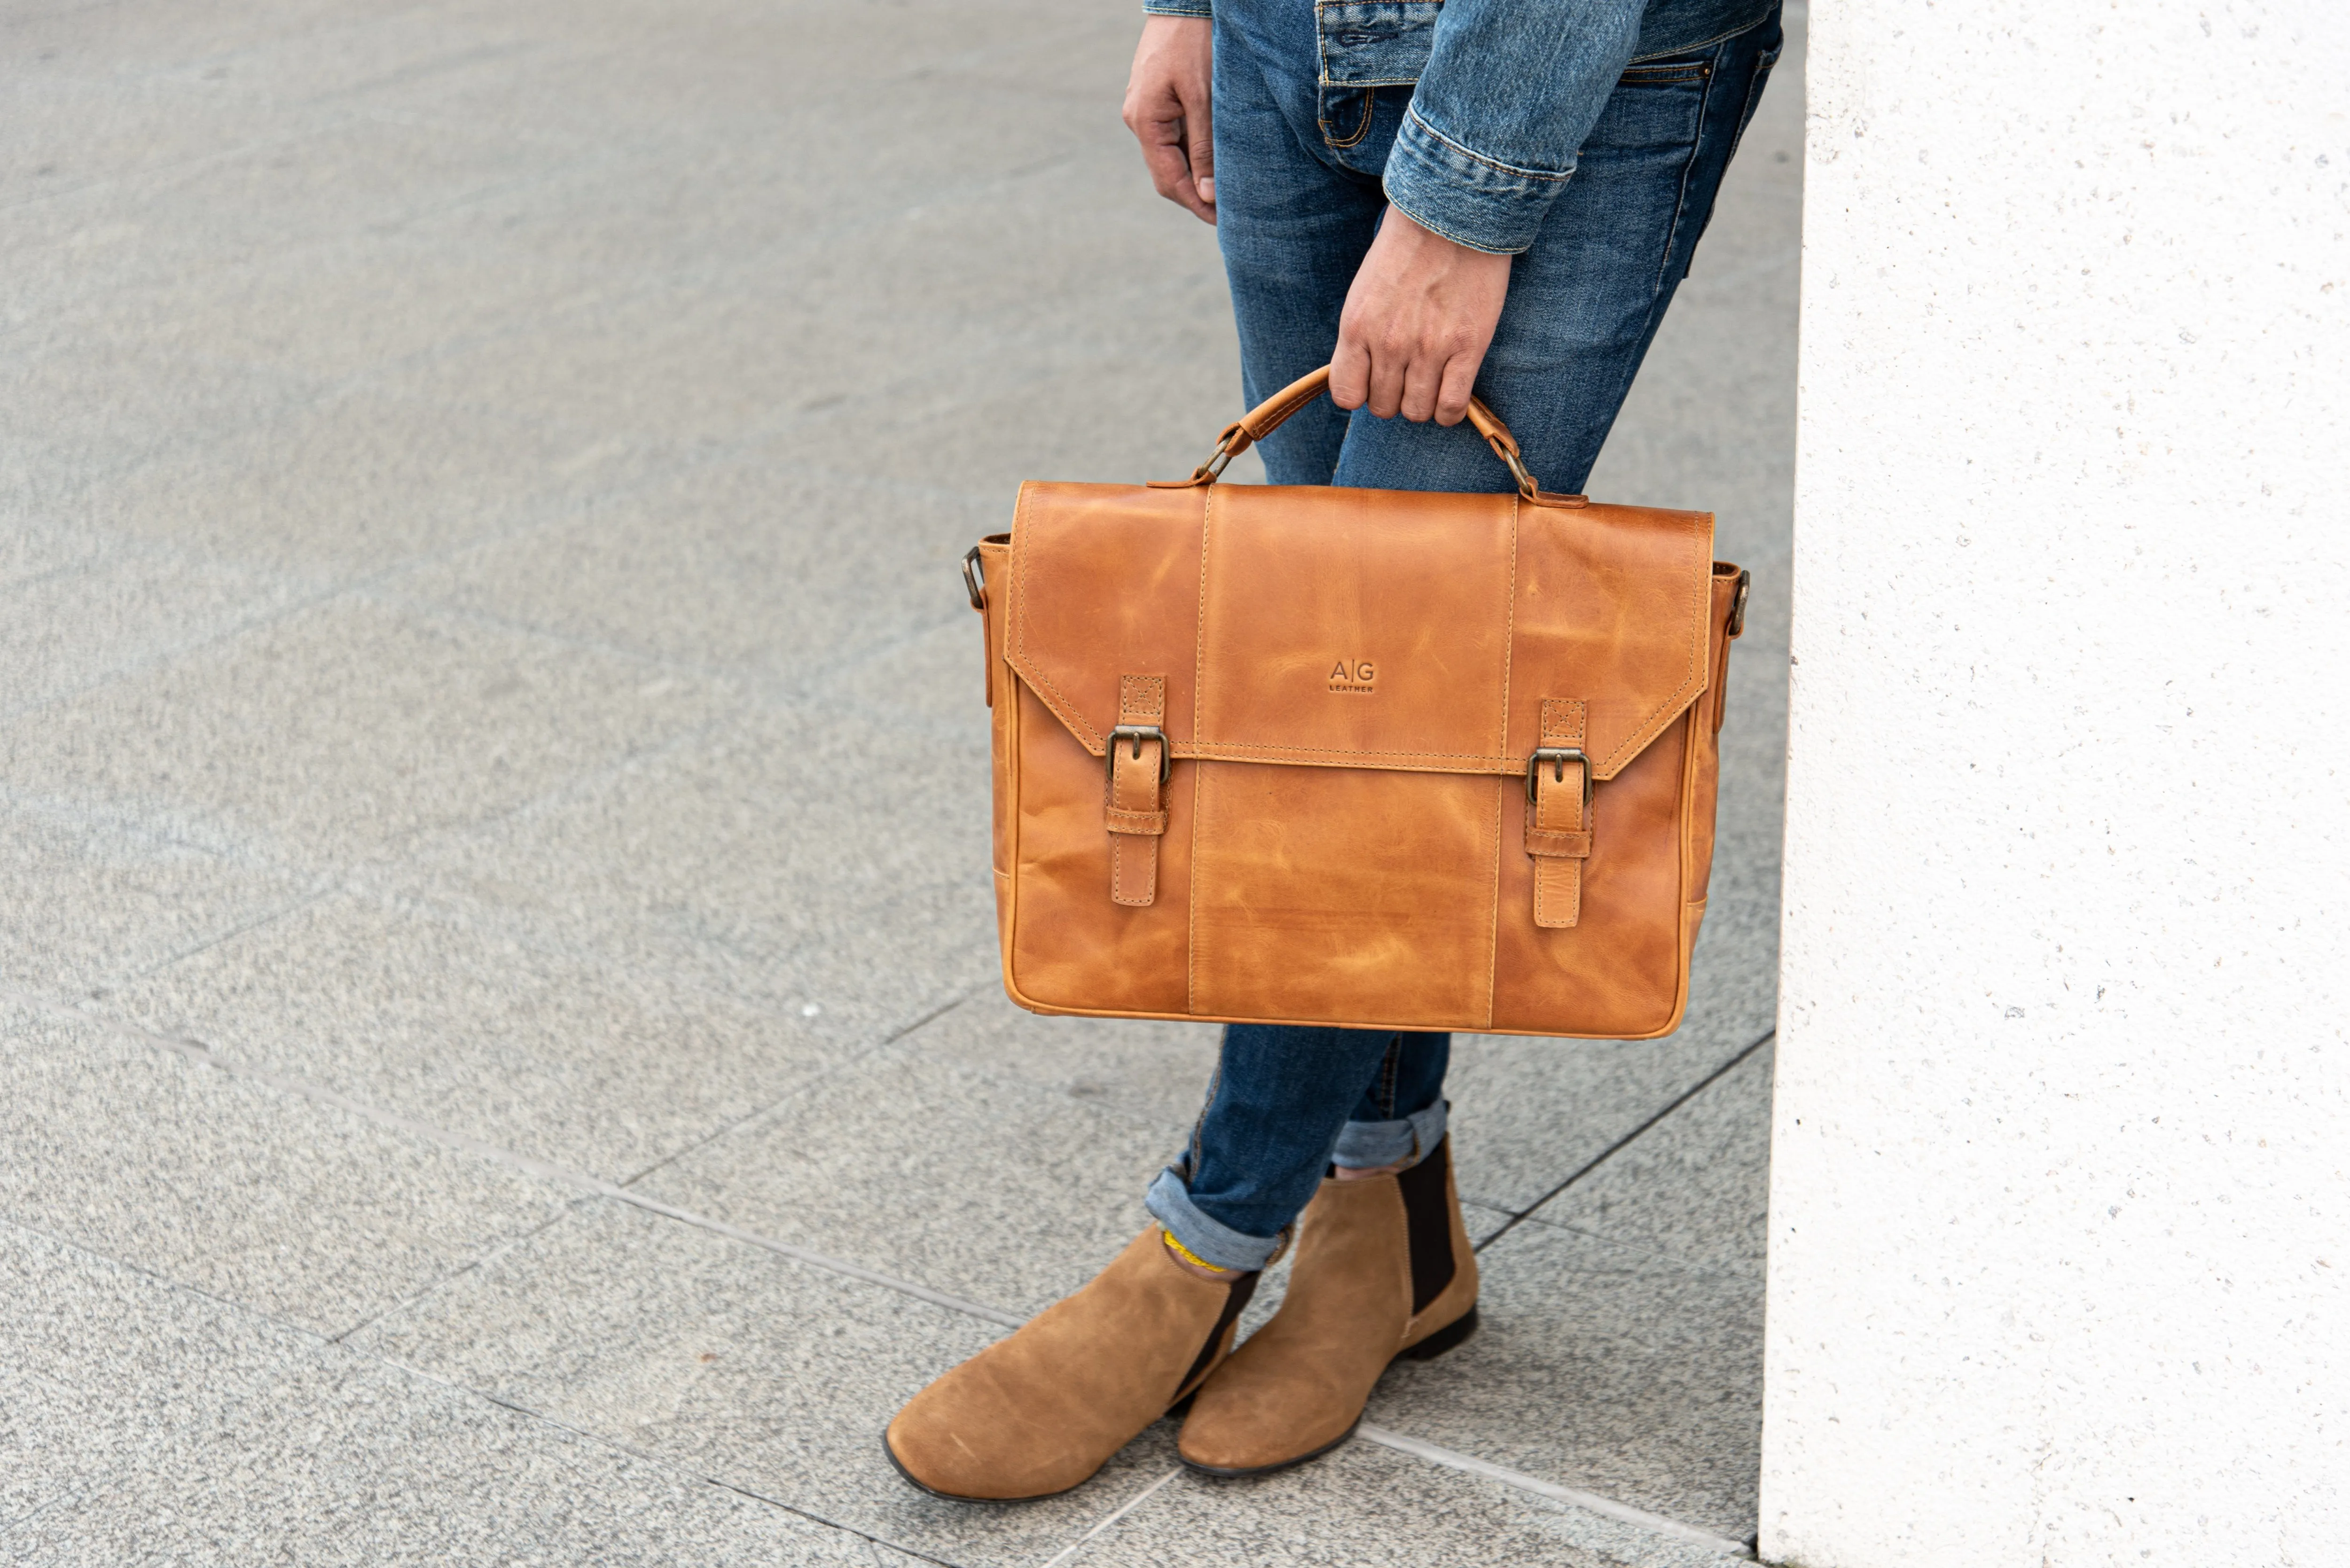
{"points": [[1506, 92]]}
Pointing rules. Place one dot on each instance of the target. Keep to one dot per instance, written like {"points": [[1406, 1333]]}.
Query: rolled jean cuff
{"points": [[1367, 1145], [1170, 1202]]}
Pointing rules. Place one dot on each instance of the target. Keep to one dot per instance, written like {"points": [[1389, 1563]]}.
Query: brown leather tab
{"points": [[1134, 813], [1557, 836], [1577, 845]]}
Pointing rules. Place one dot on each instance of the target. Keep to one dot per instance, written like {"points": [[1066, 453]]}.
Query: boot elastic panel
{"points": [[1236, 1301], [1428, 1224]]}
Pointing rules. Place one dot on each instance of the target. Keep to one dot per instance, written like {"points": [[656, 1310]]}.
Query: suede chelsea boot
{"points": [[1384, 1270], [1039, 1412]]}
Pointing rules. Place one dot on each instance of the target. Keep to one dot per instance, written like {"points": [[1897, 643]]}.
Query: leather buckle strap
{"points": [[1135, 762], [1558, 814]]}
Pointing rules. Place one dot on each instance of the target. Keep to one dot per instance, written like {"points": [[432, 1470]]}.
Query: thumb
{"points": [[1202, 152]]}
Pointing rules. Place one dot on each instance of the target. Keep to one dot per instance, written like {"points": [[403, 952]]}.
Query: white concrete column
{"points": [[2060, 1246]]}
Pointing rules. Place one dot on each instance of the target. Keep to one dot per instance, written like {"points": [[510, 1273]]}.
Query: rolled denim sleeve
{"points": [[1176, 8], [1510, 89]]}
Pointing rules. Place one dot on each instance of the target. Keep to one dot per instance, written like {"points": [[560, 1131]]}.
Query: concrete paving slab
{"points": [[581, 1065], [331, 490], [775, 859], [311, 1215], [1483, 1220], [1693, 1187], [94, 39], [1145, 404], [341, 306], [1152, 1074], [1530, 1113], [327, 172], [1367, 1507], [342, 731], [751, 565], [33, 546], [673, 367], [81, 119], [1605, 1368], [372, 1466], [748, 1368], [930, 678], [106, 1371], [86, 412], [253, 1442], [73, 628], [96, 898], [987, 1188]]}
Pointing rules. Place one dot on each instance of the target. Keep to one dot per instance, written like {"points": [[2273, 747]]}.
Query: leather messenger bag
{"points": [[1379, 758]]}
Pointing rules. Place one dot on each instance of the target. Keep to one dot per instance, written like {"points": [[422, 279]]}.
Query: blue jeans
{"points": [[1297, 201]]}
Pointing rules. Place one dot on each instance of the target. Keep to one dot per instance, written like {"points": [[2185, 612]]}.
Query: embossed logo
{"points": [[1353, 676]]}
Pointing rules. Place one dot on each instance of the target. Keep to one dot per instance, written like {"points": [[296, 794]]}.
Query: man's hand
{"points": [[1417, 324], [1167, 109]]}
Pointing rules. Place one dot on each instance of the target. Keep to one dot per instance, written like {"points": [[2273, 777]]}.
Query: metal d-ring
{"points": [[975, 580]]}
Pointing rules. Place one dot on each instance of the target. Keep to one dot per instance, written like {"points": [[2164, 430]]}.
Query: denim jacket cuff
{"points": [[1176, 9], [1465, 196]]}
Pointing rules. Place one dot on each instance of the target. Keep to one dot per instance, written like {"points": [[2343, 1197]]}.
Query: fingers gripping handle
{"points": [[1267, 417]]}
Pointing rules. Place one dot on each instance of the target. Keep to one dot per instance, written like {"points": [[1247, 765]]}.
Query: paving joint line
{"points": [[131, 1266], [802, 1086], [1590, 1502], [198, 1052], [1128, 1506], [472, 1265], [1616, 1147]]}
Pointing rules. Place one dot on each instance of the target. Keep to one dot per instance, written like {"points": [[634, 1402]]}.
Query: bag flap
{"points": [[1310, 625]]}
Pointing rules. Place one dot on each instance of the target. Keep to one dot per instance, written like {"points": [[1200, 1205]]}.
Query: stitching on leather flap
{"points": [[1692, 678], [1562, 720], [1055, 698], [1035, 665], [1141, 698]]}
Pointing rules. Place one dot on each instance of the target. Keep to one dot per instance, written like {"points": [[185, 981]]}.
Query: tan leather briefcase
{"points": [[1381, 759]]}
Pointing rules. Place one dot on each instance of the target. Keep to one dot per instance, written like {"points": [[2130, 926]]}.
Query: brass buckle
{"points": [[1138, 734], [975, 580], [1558, 757]]}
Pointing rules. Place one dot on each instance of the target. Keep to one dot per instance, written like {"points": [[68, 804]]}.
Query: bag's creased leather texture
{"points": [[1350, 684]]}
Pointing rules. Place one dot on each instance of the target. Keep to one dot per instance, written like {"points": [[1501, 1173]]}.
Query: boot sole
{"points": [[1176, 1409], [1427, 1349], [920, 1485]]}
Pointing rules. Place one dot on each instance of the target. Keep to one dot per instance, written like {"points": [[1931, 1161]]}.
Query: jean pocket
{"points": [[1657, 104], [1375, 43], [1666, 73]]}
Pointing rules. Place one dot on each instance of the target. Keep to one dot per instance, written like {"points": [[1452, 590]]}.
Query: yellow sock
{"points": [[1186, 1253]]}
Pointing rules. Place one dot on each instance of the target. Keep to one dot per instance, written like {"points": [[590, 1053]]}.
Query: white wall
{"points": [[2061, 1195]]}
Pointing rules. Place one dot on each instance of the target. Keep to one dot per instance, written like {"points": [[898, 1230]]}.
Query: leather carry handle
{"points": [[1268, 415]]}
